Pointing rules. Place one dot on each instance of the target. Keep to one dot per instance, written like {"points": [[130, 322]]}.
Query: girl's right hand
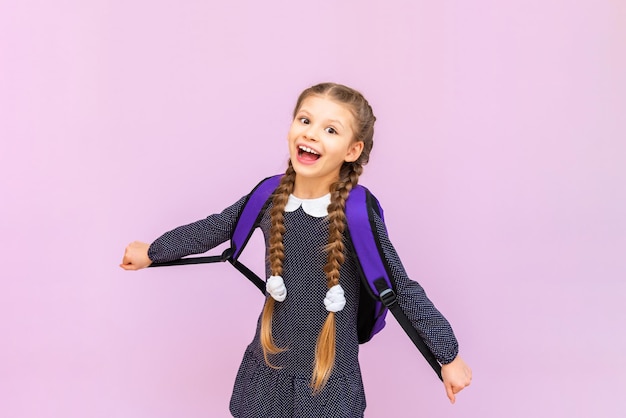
{"points": [[136, 256]]}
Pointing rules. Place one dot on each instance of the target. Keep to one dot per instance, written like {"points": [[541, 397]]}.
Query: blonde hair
{"points": [[348, 178]]}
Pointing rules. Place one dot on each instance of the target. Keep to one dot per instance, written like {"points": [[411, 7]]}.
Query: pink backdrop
{"points": [[500, 160]]}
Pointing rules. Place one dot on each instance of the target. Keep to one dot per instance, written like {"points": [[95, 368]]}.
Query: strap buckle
{"points": [[388, 297]]}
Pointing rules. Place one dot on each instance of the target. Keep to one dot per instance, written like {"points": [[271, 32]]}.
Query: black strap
{"points": [[258, 282], [388, 298], [190, 260]]}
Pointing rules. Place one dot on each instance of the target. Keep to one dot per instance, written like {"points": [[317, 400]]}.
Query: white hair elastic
{"points": [[335, 299], [275, 286]]}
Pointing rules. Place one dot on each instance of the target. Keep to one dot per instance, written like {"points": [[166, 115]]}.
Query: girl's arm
{"points": [[194, 238], [426, 319]]}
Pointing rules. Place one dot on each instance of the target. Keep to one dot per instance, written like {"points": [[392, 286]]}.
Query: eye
{"points": [[304, 121], [331, 130]]}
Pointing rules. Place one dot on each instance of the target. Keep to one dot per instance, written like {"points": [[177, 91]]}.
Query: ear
{"points": [[354, 151]]}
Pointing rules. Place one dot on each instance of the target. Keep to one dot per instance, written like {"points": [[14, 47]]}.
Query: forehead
{"points": [[324, 107]]}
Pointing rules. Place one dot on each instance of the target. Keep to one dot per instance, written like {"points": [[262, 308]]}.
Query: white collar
{"points": [[317, 207]]}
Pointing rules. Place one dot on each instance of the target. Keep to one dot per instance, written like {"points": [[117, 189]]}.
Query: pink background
{"points": [[500, 160]]}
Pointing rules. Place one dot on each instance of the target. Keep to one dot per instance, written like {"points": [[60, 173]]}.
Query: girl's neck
{"points": [[310, 188]]}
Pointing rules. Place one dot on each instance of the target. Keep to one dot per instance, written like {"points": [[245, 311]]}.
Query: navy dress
{"points": [[262, 391]]}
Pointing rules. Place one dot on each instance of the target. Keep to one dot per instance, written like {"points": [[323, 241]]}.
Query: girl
{"points": [[303, 360]]}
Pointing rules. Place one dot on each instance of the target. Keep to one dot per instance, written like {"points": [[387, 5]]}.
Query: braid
{"points": [[339, 191], [276, 257]]}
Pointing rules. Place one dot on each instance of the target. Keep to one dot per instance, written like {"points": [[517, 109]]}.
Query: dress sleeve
{"points": [[196, 237], [426, 319]]}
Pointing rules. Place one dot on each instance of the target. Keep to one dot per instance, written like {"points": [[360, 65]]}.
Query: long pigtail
{"points": [[276, 258], [325, 347]]}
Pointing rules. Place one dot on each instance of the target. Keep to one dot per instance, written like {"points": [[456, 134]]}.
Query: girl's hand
{"points": [[456, 376], [136, 256]]}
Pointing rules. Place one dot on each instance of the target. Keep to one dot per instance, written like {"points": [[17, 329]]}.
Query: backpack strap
{"points": [[249, 218], [376, 274]]}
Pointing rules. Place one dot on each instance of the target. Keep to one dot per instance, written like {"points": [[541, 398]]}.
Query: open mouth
{"points": [[307, 154]]}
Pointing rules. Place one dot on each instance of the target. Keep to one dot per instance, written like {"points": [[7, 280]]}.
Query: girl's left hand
{"points": [[456, 376]]}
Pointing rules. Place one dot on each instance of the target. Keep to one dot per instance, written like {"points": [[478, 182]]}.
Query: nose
{"points": [[310, 133]]}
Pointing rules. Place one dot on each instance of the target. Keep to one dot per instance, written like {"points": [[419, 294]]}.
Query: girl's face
{"points": [[321, 138]]}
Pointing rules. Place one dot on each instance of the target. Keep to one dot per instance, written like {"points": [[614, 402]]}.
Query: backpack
{"points": [[377, 294]]}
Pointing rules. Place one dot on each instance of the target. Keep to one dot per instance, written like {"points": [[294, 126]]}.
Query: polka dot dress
{"points": [[262, 391]]}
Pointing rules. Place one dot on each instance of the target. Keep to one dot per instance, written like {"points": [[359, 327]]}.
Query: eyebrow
{"points": [[335, 121]]}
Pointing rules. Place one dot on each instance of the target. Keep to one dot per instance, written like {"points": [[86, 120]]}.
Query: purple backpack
{"points": [[376, 278]]}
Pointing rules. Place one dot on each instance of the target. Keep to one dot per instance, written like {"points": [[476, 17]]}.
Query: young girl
{"points": [[303, 360]]}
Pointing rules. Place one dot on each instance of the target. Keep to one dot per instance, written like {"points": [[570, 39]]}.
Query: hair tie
{"points": [[275, 286], [335, 299]]}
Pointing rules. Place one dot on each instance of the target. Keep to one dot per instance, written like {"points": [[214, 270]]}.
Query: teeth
{"points": [[307, 149]]}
